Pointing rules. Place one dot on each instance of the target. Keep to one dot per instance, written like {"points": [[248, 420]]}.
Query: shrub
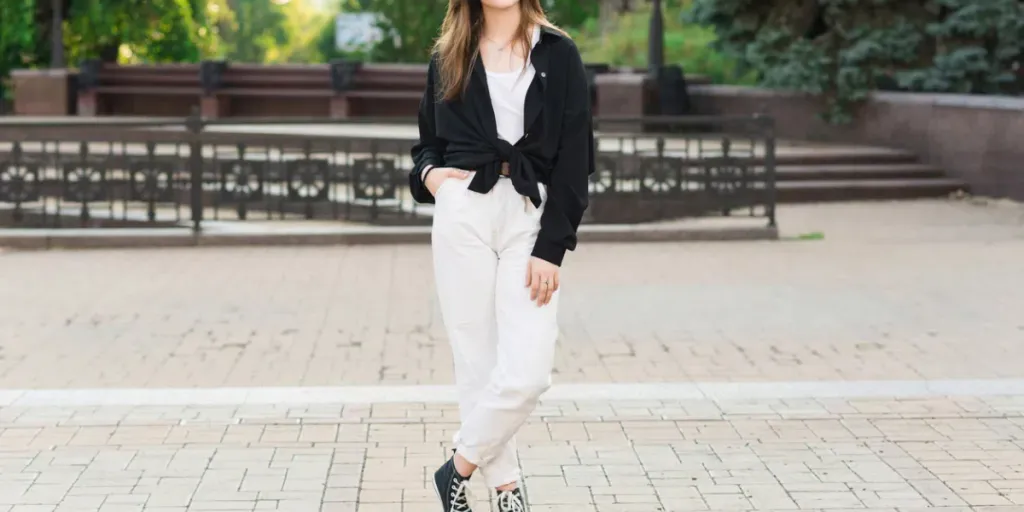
{"points": [[686, 44], [17, 37], [842, 49]]}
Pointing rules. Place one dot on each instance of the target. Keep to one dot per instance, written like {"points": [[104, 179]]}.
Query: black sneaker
{"points": [[452, 489], [511, 501]]}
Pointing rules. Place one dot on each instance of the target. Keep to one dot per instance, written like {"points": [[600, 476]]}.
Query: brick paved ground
{"points": [[947, 455], [927, 290], [906, 291]]}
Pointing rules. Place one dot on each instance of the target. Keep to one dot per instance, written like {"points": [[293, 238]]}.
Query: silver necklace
{"points": [[500, 47]]}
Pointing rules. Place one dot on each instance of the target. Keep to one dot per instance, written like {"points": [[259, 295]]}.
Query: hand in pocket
{"points": [[437, 176]]}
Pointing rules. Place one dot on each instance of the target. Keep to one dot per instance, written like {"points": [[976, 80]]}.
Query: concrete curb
{"points": [[715, 392], [114, 238]]}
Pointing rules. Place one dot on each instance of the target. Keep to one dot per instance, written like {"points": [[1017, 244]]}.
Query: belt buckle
{"points": [[504, 170]]}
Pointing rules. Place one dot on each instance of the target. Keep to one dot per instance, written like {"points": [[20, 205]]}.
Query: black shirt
{"points": [[557, 148]]}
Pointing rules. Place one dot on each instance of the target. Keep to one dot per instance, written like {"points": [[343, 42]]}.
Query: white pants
{"points": [[503, 343]]}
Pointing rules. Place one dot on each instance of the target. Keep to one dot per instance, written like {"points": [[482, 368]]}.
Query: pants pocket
{"points": [[441, 187]]}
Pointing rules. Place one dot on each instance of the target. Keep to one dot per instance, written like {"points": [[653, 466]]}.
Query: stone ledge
{"points": [[113, 238], [939, 99]]}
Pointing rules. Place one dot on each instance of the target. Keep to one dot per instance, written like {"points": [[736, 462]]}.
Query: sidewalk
{"points": [[875, 370], [827, 454]]}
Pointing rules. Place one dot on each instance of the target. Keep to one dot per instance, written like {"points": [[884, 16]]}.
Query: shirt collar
{"points": [[550, 33]]}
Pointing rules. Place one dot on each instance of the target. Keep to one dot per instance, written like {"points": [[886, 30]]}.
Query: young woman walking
{"points": [[506, 147]]}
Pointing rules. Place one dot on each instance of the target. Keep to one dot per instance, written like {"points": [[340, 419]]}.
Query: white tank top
{"points": [[508, 97]]}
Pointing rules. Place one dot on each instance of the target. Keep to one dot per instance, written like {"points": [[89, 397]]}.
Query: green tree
{"points": [[570, 13], [143, 30], [209, 16], [301, 44], [842, 49], [254, 30], [409, 27], [17, 38], [976, 44], [112, 30], [625, 43], [413, 25]]}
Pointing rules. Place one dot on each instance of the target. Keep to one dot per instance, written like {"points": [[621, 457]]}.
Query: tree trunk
{"points": [[110, 53], [57, 35], [43, 50], [611, 9]]}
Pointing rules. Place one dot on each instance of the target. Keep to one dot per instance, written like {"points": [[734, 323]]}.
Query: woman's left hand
{"points": [[542, 280]]}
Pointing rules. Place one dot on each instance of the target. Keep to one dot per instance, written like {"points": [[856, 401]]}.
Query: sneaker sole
{"points": [[437, 491]]}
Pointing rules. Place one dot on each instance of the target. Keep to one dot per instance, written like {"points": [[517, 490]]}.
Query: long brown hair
{"points": [[458, 47]]}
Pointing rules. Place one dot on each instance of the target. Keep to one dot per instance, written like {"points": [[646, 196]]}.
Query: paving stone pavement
{"points": [[914, 291], [878, 455], [917, 290]]}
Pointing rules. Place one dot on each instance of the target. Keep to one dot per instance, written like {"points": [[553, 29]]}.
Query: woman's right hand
{"points": [[437, 176]]}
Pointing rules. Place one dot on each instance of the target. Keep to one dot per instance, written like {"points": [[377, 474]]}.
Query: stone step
{"points": [[842, 156], [849, 190], [863, 171]]}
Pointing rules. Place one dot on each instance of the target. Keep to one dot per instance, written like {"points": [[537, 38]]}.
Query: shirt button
{"points": [[543, 74]]}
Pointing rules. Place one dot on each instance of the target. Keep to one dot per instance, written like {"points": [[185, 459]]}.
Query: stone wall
{"points": [[43, 92], [979, 139]]}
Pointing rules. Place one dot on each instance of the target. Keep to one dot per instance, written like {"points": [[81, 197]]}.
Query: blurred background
{"points": [[307, 31], [912, 99], [842, 48], [798, 286]]}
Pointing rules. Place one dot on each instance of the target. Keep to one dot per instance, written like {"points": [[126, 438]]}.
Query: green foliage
{"points": [[571, 13], [254, 29], [131, 31], [410, 29], [301, 19], [414, 24], [686, 44], [210, 16], [17, 36], [259, 31], [842, 49], [143, 30], [976, 43]]}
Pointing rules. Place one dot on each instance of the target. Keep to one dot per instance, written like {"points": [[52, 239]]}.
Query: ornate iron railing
{"points": [[169, 172]]}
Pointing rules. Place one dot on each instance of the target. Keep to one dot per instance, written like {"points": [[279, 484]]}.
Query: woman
{"points": [[505, 150]]}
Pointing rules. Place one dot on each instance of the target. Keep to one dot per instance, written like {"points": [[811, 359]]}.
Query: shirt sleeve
{"points": [[429, 151], [569, 187]]}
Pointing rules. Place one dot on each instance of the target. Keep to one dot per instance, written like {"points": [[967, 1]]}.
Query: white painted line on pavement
{"points": [[713, 391]]}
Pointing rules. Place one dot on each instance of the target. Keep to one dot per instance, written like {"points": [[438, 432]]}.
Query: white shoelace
{"points": [[510, 502], [460, 497]]}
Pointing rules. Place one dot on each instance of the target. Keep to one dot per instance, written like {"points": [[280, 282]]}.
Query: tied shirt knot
{"points": [[521, 171], [487, 158]]}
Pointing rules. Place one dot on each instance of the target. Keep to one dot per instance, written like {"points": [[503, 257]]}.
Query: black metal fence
{"points": [[169, 172], [6, 106]]}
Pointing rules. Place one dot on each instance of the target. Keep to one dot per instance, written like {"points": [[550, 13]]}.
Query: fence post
{"points": [[673, 97], [343, 77], [194, 126], [767, 124], [211, 79], [88, 78]]}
